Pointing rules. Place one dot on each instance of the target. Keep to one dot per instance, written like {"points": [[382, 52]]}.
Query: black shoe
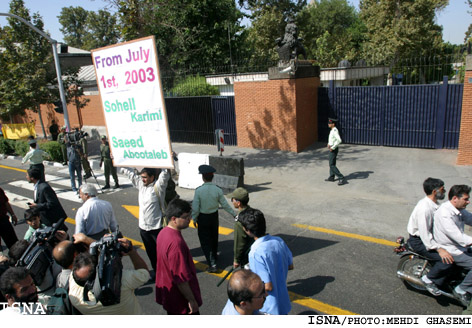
{"points": [[342, 182], [463, 298], [106, 187], [432, 288], [116, 186], [87, 175], [330, 179], [212, 269]]}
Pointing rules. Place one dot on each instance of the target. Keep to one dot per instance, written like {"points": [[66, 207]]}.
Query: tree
{"points": [[268, 20], [195, 86], [468, 33], [189, 33], [401, 28], [25, 65], [74, 25], [332, 31], [87, 29]]}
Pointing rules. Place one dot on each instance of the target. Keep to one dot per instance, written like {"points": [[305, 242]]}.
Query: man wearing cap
{"points": [[205, 206], [334, 140], [96, 217], [36, 156], [242, 242], [61, 139], [105, 157]]}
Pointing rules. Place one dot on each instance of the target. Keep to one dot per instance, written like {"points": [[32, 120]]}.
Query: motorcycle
{"points": [[412, 267]]}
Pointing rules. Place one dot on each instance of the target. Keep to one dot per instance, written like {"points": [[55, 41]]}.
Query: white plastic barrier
{"points": [[188, 165]]}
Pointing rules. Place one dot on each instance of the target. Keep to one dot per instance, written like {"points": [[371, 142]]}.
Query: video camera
{"points": [[37, 258], [74, 137], [107, 285]]}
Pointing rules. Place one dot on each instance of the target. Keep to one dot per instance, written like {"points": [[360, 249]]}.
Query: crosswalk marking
{"points": [[18, 200], [61, 193]]}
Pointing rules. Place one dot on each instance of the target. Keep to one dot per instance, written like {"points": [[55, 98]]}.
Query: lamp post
{"points": [[56, 62]]}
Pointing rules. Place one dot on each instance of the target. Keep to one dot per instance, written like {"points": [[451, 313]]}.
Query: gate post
{"points": [[441, 114], [464, 154]]}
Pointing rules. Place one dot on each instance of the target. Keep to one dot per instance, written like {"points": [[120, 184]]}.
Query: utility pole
{"points": [[56, 62]]}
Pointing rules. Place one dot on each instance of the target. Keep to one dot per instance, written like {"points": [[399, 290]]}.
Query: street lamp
{"points": [[56, 62]]}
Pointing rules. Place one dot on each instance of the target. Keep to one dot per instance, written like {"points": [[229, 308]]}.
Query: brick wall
{"points": [[276, 114], [92, 115], [464, 154]]}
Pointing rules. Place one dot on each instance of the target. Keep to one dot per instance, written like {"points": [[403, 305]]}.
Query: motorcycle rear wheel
{"points": [[413, 265]]}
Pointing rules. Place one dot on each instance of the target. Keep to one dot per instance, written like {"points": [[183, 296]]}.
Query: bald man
{"points": [[246, 293]]}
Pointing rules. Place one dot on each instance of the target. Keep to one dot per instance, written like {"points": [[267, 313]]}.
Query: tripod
{"points": [[87, 168]]}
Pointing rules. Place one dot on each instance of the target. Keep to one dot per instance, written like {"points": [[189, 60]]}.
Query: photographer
{"points": [[85, 269], [74, 158]]}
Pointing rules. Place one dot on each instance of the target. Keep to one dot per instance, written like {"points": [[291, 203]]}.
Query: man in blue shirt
{"points": [[270, 258]]}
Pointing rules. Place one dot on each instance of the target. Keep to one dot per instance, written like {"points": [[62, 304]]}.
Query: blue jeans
{"points": [[75, 167]]}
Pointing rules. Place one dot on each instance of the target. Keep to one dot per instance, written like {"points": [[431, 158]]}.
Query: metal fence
{"points": [[419, 116], [195, 119]]}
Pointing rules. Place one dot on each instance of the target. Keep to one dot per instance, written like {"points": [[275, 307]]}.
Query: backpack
{"points": [[59, 303]]}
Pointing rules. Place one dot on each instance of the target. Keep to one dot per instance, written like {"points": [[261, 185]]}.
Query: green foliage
{"points": [[7, 146], [194, 86], [401, 29], [25, 64], [332, 31], [268, 20], [87, 29], [189, 34], [53, 148], [21, 147]]}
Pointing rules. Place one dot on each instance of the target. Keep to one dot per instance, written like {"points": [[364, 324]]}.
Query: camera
{"points": [[38, 256], [107, 285], [75, 136]]}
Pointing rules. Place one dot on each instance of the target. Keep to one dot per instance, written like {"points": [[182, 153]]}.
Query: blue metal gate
{"points": [[419, 116]]}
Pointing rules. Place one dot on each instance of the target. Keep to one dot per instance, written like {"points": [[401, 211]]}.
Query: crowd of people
{"points": [[261, 261]]}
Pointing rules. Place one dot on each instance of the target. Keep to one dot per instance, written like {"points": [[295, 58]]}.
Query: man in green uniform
{"points": [[61, 139], [242, 242], [108, 164], [205, 206]]}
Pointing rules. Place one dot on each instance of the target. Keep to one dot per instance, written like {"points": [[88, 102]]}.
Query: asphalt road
{"points": [[335, 272]]}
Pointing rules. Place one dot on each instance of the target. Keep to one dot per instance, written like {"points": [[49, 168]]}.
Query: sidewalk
{"points": [[384, 184]]}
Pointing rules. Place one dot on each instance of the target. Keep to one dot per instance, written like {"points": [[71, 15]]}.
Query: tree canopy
{"points": [[401, 29]]}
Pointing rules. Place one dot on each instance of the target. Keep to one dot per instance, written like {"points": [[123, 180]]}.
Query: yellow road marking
{"points": [[135, 211], [12, 168], [347, 234], [317, 305]]}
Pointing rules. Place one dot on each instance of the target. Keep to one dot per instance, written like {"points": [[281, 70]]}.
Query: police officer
{"points": [[61, 139], [205, 206], [334, 140], [108, 163]]}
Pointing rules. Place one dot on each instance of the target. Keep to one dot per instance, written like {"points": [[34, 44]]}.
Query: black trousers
{"points": [[333, 170], [440, 270], [208, 236], [7, 232], [149, 241]]}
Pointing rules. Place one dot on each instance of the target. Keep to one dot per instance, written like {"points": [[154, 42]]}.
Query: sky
{"points": [[454, 18]]}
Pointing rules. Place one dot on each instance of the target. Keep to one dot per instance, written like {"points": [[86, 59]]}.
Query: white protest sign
{"points": [[133, 104]]}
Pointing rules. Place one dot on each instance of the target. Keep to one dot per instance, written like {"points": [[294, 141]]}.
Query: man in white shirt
{"points": [[334, 140], [448, 231], [96, 217], [420, 228], [152, 184]]}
